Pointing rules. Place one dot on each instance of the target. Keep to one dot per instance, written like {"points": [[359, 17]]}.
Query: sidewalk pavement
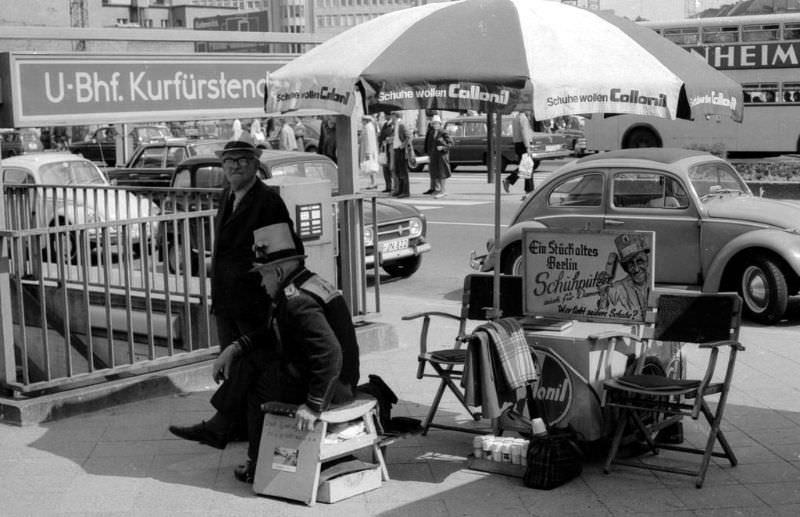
{"points": [[122, 461]]}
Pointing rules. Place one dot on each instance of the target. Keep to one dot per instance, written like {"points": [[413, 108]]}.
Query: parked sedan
{"points": [[101, 146], [14, 142], [401, 228], [572, 129], [470, 144], [711, 232], [61, 201], [153, 164]]}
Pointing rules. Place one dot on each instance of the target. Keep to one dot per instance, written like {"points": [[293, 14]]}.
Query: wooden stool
{"points": [[290, 461]]}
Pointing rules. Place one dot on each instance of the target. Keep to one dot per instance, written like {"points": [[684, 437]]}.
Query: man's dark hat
{"points": [[239, 146]]}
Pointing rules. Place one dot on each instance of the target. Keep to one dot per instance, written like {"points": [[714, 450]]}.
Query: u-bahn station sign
{"points": [[78, 88]]}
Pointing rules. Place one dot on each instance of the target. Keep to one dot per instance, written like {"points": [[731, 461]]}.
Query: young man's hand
{"points": [[306, 418], [222, 364]]}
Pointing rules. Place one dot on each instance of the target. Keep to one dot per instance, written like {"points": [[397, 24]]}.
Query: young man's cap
{"points": [[275, 243]]}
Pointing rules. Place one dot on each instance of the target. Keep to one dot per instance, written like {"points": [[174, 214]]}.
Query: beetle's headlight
{"points": [[414, 227]]}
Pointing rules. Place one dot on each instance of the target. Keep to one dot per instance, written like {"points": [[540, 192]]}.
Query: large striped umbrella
{"points": [[495, 56]]}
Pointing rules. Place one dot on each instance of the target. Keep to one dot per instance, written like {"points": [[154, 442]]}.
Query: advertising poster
{"points": [[451, 96], [594, 276]]}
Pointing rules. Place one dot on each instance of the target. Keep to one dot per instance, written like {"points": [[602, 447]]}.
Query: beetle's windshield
{"points": [[716, 178]]}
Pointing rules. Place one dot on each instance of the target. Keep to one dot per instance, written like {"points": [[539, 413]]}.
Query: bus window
{"points": [[683, 35], [720, 34], [791, 92], [760, 32], [791, 31], [760, 92]]}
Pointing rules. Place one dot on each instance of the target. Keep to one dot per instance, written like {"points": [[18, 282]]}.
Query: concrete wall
{"points": [[40, 12]]}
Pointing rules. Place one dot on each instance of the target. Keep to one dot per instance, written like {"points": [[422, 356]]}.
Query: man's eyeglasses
{"points": [[242, 162]]}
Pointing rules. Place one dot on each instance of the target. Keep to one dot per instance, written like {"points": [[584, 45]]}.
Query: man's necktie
{"points": [[228, 210]]}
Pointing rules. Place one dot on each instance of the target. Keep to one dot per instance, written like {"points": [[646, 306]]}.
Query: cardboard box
{"points": [[348, 485]]}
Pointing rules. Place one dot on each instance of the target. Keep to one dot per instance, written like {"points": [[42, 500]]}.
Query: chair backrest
{"points": [[477, 295], [697, 317]]}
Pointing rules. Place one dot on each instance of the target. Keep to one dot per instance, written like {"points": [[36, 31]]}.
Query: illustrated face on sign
{"points": [[637, 266]]}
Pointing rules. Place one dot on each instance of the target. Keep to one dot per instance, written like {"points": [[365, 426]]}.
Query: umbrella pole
{"points": [[494, 163]]}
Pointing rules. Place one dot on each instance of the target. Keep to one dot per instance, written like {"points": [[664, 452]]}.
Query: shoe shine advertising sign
{"points": [[590, 276], [64, 89], [450, 96]]}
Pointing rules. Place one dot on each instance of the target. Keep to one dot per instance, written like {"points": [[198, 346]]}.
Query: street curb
{"points": [[372, 337]]}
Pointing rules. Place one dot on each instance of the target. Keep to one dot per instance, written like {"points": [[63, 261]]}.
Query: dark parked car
{"points": [[711, 232], [470, 143], [101, 146], [19, 141], [153, 164], [572, 129], [401, 227]]}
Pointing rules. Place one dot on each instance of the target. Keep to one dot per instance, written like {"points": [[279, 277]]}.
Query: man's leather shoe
{"points": [[246, 472], [200, 433]]}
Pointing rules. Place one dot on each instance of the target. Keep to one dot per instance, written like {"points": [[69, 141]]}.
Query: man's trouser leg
{"points": [[230, 399]]}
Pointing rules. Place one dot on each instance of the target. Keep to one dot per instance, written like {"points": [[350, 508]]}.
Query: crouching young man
{"points": [[314, 361]]}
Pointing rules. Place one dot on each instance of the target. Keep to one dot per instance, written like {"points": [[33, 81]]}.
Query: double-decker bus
{"points": [[762, 53]]}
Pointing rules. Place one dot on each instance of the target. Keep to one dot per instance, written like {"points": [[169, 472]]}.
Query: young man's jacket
{"points": [[315, 335]]}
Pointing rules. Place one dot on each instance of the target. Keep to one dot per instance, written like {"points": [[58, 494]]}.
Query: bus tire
{"points": [[641, 137]]}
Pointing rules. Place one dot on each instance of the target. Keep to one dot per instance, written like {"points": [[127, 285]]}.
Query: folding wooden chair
{"points": [[653, 402], [447, 362]]}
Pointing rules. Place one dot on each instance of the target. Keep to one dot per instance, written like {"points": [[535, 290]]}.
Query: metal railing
{"points": [[102, 288]]}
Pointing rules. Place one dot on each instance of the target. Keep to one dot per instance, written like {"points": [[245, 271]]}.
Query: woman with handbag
{"points": [[368, 151], [437, 146]]}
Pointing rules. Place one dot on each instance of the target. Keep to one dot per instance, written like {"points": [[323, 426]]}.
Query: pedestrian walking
{"points": [[368, 151], [401, 140], [286, 138], [429, 143], [385, 141], [437, 147], [522, 135], [327, 138], [300, 134], [257, 136]]}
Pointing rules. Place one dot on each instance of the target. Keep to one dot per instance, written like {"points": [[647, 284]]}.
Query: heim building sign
{"points": [[64, 89], [744, 56]]}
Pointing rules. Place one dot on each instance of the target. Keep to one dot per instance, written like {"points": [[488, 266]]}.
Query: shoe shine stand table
{"points": [[573, 364], [290, 462]]}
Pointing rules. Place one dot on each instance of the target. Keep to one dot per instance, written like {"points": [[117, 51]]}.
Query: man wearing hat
{"points": [[630, 293], [238, 301], [315, 360], [401, 142]]}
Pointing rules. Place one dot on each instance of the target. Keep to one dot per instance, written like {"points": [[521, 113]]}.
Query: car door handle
{"points": [[614, 222]]}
